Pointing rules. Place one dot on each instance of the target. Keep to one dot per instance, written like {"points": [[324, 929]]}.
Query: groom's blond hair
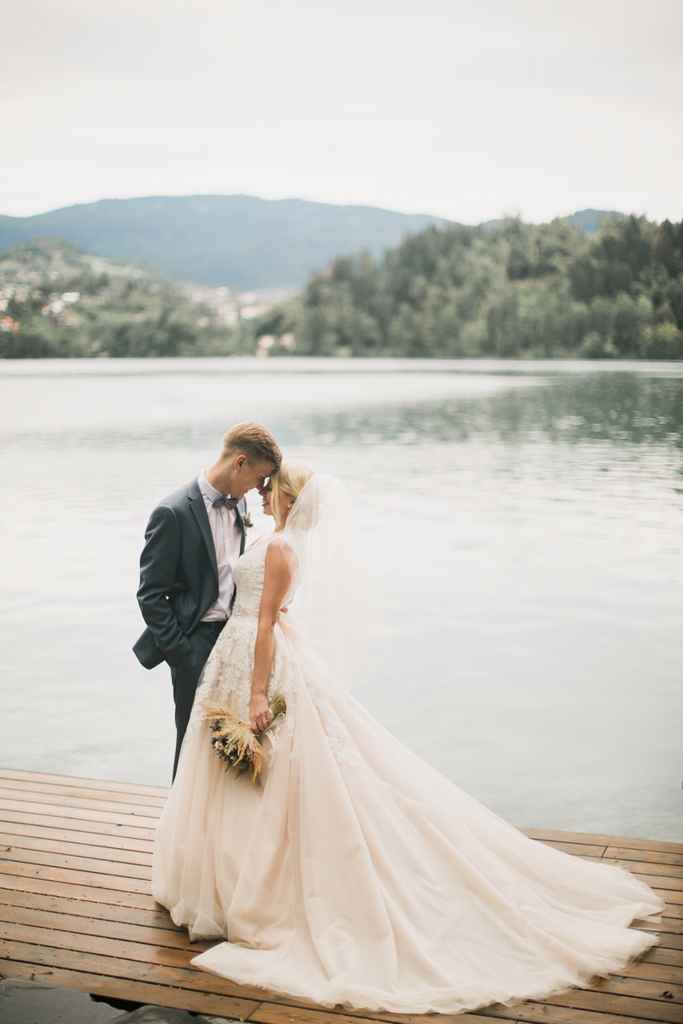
{"points": [[253, 440]]}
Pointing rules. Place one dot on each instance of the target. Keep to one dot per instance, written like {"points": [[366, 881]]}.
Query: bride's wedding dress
{"points": [[356, 873]]}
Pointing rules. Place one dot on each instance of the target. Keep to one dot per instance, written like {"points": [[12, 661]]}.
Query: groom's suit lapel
{"points": [[198, 507]]}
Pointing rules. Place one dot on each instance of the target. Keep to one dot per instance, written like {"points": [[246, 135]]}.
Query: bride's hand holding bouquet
{"points": [[260, 714]]}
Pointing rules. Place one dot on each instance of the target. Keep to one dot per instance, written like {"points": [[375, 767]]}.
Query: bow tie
{"points": [[223, 499]]}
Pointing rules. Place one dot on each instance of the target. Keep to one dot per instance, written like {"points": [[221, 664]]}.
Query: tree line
{"points": [[508, 290]]}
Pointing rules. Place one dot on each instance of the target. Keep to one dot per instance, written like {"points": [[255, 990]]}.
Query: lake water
{"points": [[524, 520]]}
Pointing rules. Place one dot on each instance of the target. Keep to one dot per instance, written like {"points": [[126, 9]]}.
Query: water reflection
{"points": [[618, 407]]}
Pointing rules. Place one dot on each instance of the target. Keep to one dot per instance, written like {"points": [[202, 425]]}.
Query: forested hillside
{"points": [[56, 301], [513, 289]]}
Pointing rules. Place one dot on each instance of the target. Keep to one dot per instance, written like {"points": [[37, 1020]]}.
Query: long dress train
{"points": [[358, 875]]}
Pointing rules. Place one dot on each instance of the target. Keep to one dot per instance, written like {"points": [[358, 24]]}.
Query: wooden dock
{"points": [[76, 912]]}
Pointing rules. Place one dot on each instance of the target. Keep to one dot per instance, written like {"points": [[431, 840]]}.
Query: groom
{"points": [[192, 540]]}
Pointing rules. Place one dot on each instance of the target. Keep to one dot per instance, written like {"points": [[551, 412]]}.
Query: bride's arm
{"points": [[276, 583]]}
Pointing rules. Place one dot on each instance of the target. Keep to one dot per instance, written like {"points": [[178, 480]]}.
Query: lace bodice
{"points": [[248, 574], [226, 677]]}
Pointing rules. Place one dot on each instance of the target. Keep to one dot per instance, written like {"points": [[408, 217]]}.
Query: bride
{"points": [[353, 873]]}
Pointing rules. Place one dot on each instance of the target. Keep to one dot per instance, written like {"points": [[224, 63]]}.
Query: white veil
{"points": [[331, 606]]}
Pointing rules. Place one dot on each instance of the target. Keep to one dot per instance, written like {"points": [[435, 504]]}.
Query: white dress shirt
{"points": [[227, 538]]}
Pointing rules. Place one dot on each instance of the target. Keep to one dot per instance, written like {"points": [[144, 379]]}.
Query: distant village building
{"points": [[264, 345], [57, 307], [267, 342], [9, 325]]}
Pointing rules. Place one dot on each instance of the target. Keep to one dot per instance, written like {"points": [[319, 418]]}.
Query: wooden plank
{"points": [[655, 990], [651, 856], [653, 845], [662, 955], [83, 782], [14, 855], [274, 1013], [652, 879], [117, 830], [190, 978], [545, 1013], [667, 991], [667, 928], [65, 836], [648, 971], [70, 907], [56, 887], [89, 878], [59, 846], [125, 949], [672, 909], [599, 839], [123, 930], [122, 817], [646, 867], [82, 805], [667, 940], [46, 791], [135, 991], [624, 1005]]}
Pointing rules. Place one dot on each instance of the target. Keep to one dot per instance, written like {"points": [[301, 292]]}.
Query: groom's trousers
{"points": [[185, 676]]}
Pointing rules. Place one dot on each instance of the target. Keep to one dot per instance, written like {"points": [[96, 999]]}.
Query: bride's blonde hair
{"points": [[290, 480]]}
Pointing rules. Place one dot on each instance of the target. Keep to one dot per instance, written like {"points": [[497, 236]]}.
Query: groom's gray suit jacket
{"points": [[178, 575]]}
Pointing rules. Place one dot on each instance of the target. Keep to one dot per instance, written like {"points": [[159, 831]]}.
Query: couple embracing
{"points": [[352, 873]]}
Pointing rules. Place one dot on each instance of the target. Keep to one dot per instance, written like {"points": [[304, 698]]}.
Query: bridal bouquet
{"points": [[233, 740]]}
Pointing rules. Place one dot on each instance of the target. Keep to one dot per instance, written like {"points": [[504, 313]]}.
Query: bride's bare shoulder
{"points": [[280, 554], [279, 546]]}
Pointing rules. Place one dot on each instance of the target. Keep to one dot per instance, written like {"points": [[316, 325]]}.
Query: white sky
{"points": [[465, 108]]}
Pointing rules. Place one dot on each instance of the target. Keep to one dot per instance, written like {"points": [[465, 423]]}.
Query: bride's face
{"points": [[265, 498]]}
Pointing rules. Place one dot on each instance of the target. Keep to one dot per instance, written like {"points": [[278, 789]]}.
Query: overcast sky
{"points": [[467, 109]]}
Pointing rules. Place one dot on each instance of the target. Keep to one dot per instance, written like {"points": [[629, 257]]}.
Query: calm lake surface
{"points": [[524, 520]]}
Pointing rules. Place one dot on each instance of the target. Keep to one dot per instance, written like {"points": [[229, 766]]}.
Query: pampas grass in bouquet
{"points": [[235, 743]]}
